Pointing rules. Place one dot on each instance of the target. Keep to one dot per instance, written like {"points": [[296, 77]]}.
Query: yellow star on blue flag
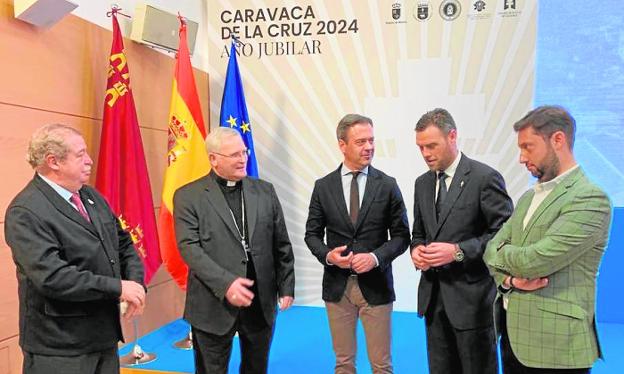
{"points": [[234, 110]]}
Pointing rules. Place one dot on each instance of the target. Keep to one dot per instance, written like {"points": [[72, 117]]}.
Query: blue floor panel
{"points": [[302, 344]]}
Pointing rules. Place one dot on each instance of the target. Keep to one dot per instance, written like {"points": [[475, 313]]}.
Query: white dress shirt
{"points": [[65, 193], [346, 176], [450, 172]]}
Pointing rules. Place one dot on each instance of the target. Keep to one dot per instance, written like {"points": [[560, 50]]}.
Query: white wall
{"points": [[95, 11]]}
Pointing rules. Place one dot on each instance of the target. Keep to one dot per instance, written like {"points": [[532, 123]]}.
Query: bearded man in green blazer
{"points": [[545, 258]]}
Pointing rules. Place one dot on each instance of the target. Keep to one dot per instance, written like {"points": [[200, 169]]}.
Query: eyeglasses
{"points": [[241, 154]]}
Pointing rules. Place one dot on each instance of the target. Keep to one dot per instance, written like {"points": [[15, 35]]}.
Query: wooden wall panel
{"points": [[70, 61], [59, 75], [8, 292], [10, 356], [20, 122]]}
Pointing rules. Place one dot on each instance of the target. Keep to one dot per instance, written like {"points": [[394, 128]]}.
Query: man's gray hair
{"points": [[439, 118], [49, 140], [349, 121], [215, 138]]}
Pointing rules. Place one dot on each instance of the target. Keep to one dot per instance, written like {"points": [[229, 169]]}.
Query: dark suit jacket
{"points": [[476, 206], [68, 270], [381, 215], [209, 243]]}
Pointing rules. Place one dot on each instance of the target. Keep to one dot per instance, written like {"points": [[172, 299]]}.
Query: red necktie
{"points": [[75, 198]]}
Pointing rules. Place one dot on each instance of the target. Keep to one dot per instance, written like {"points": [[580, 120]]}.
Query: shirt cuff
{"points": [[376, 259], [327, 261]]}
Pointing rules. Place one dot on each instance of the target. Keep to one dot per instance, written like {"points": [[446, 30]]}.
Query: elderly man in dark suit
{"points": [[357, 225], [74, 262], [231, 232], [459, 204]]}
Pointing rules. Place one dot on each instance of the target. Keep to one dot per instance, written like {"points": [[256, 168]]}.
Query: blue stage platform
{"points": [[302, 344]]}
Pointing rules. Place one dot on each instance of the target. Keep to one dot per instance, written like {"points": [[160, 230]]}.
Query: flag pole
{"points": [[121, 146], [136, 356], [185, 343], [187, 151]]}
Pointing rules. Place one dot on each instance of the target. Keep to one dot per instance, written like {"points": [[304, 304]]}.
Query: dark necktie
{"points": [[354, 198], [442, 192], [75, 198]]}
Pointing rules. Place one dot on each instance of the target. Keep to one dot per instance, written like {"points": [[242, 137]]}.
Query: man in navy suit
{"points": [[459, 204], [74, 262], [357, 225]]}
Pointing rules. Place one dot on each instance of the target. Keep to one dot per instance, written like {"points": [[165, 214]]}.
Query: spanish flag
{"points": [[122, 172], [186, 156]]}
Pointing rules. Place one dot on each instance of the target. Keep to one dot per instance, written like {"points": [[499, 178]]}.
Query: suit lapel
{"points": [[91, 209], [250, 196], [338, 196], [460, 179], [217, 200], [428, 202], [372, 185], [517, 225], [62, 205], [556, 193], [96, 220]]}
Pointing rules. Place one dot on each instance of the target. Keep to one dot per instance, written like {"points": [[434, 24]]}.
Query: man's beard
{"points": [[549, 168]]}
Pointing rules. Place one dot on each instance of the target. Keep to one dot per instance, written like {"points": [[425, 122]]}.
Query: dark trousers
{"points": [[454, 351], [212, 352], [102, 362], [511, 365]]}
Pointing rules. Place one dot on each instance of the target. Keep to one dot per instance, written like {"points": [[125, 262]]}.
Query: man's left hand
{"points": [[285, 302], [130, 310], [526, 284], [439, 254], [362, 262]]}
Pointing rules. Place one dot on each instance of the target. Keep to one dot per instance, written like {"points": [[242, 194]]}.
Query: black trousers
{"points": [[511, 365], [102, 362], [454, 351], [212, 352]]}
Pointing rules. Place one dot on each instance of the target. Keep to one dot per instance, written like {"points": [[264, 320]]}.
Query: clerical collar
{"points": [[224, 182]]}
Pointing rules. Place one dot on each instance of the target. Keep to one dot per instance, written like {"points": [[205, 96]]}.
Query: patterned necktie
{"points": [[354, 198], [442, 192], [75, 198]]}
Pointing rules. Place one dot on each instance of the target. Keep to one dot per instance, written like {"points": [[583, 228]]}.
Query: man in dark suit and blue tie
{"points": [[357, 225], [74, 262], [459, 204]]}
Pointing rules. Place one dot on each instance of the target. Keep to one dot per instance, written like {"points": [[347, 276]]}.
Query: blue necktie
{"points": [[442, 192]]}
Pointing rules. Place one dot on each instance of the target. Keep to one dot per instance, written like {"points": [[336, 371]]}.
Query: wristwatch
{"points": [[459, 254]]}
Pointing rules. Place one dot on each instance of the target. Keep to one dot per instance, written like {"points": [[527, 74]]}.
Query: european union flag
{"points": [[234, 110]]}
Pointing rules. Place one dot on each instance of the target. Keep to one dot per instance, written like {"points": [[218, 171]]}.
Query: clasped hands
{"points": [[525, 284], [239, 294], [133, 296], [359, 262], [440, 254], [434, 254]]}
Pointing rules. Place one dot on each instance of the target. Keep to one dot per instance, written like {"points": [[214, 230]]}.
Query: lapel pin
{"points": [[461, 184], [90, 201]]}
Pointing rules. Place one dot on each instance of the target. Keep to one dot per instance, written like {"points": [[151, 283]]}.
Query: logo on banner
{"points": [[509, 9], [509, 4], [450, 9], [396, 15], [478, 11], [396, 11], [421, 12]]}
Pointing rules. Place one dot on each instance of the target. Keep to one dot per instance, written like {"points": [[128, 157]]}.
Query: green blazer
{"points": [[564, 240]]}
